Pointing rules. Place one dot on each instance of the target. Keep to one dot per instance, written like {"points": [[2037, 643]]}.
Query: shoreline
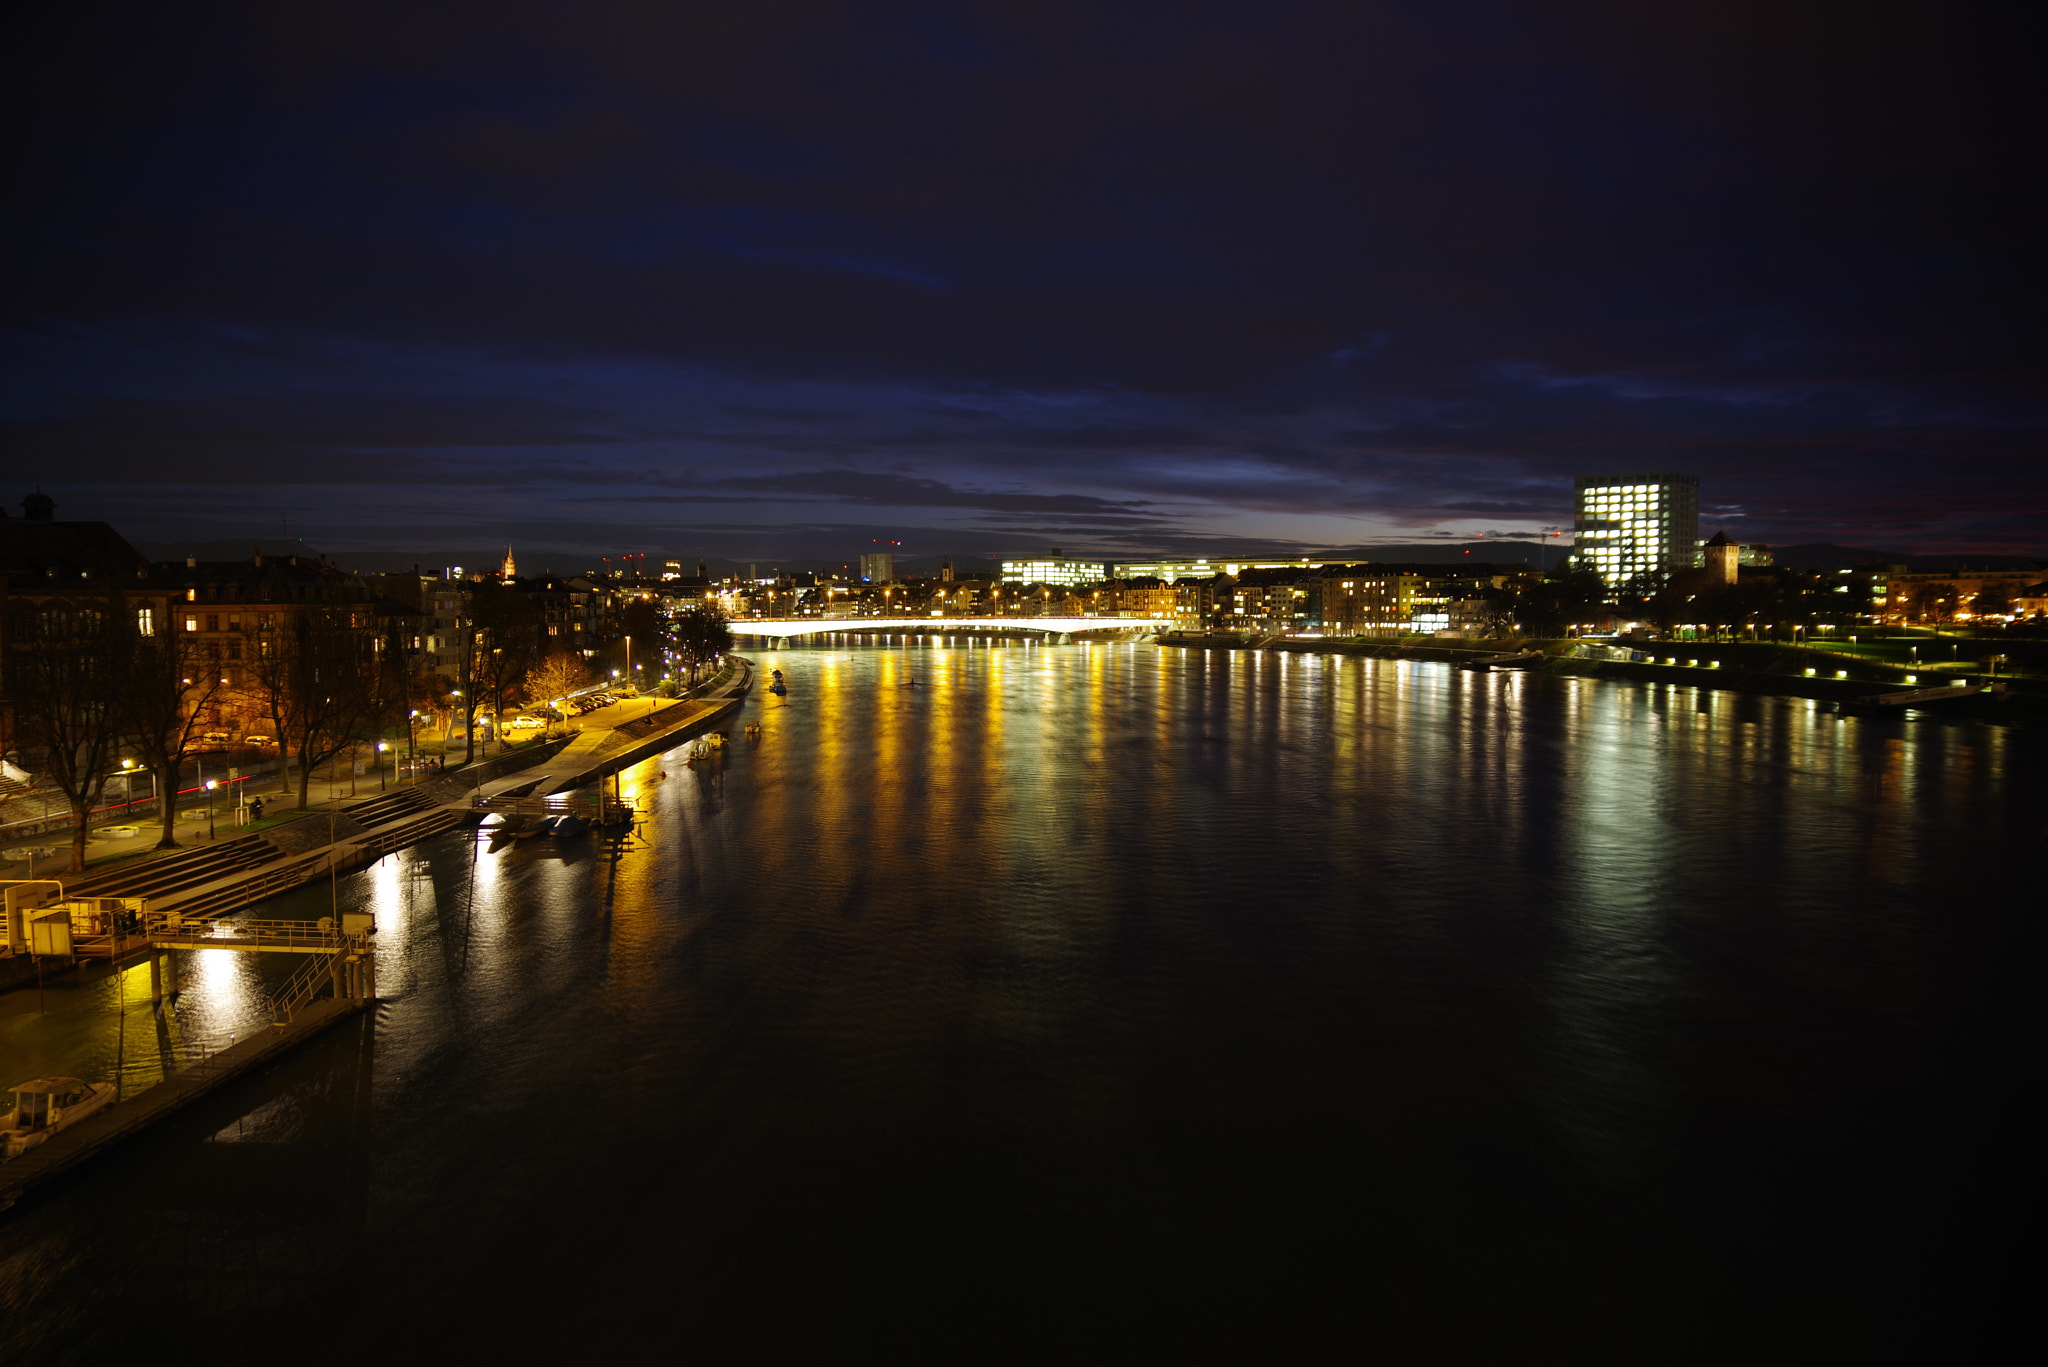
{"points": [[249, 868], [1731, 667]]}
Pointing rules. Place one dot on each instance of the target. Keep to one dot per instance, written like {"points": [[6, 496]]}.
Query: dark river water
{"points": [[1102, 1001]]}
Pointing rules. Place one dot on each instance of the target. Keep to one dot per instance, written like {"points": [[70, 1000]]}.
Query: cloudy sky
{"points": [[770, 280]]}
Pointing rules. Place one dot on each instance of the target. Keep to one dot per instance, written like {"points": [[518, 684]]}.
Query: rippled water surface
{"points": [[1108, 1000]]}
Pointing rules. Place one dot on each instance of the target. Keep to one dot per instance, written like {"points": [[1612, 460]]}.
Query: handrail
{"points": [[283, 934], [298, 989]]}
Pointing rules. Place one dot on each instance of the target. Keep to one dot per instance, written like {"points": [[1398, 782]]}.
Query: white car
{"points": [[527, 724]]}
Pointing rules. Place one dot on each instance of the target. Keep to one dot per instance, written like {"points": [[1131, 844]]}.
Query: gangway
{"points": [[1911, 697], [340, 953], [598, 808]]}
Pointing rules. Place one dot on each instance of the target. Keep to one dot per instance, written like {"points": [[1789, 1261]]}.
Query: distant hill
{"points": [[221, 550], [1547, 554], [1827, 556]]}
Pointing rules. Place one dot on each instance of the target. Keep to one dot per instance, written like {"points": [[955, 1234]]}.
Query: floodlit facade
{"points": [[1629, 525], [1057, 568], [1172, 570], [878, 567]]}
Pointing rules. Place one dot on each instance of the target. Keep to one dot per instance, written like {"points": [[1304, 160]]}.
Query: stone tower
{"points": [[1722, 556]]}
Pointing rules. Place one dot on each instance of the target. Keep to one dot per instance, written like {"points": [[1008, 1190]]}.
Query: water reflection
{"points": [[1079, 984]]}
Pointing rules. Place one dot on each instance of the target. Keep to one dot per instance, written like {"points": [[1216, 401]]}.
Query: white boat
{"points": [[46, 1105]]}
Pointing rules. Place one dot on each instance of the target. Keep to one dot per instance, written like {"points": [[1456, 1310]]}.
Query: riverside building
{"points": [[1057, 569], [1630, 525]]}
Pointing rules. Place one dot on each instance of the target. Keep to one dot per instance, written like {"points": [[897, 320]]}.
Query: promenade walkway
{"points": [[215, 876]]}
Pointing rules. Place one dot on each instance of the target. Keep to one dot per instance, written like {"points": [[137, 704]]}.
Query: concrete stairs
{"points": [[174, 873]]}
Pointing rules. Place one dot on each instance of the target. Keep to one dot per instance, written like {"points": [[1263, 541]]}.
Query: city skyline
{"points": [[784, 282]]}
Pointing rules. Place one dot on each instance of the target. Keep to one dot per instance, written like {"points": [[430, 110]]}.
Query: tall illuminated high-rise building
{"points": [[1629, 525]]}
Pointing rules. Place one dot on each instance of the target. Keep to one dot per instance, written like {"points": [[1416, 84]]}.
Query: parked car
{"points": [[526, 724]]}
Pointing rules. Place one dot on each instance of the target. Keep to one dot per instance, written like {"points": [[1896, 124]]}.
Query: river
{"points": [[1115, 1000]]}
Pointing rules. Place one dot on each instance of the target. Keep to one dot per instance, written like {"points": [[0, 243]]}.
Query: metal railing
{"points": [[243, 932], [555, 804], [285, 1000]]}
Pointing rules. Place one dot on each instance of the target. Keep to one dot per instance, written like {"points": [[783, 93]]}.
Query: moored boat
{"points": [[45, 1105]]}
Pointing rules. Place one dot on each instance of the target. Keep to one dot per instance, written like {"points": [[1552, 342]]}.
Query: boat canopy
{"points": [[41, 1085]]}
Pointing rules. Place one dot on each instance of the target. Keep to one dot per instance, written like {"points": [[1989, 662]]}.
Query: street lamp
{"points": [[211, 784], [381, 748]]}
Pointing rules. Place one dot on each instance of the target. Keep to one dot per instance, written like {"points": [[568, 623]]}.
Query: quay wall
{"points": [[614, 760]]}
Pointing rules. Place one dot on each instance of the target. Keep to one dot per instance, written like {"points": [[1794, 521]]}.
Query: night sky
{"points": [[771, 280]]}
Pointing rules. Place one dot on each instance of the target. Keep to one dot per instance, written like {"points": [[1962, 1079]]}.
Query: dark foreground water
{"points": [[1105, 1001]]}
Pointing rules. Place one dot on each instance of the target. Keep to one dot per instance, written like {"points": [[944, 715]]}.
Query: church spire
{"points": [[509, 568]]}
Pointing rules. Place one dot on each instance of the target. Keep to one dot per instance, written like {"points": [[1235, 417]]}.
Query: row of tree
{"points": [[105, 679], [98, 682]]}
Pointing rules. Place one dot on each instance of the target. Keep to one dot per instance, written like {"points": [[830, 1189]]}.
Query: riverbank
{"points": [[218, 878], [1733, 666]]}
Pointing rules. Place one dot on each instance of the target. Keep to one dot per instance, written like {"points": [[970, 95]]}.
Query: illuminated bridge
{"points": [[1056, 626]]}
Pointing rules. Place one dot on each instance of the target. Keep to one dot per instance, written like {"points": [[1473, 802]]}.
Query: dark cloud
{"points": [[1134, 270]]}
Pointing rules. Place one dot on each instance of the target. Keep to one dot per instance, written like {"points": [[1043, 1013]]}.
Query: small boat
{"points": [[566, 826], [46, 1105], [544, 826], [503, 826], [778, 690], [1518, 659]]}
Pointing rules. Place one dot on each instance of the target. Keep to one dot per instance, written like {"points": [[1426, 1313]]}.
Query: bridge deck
{"points": [[811, 626]]}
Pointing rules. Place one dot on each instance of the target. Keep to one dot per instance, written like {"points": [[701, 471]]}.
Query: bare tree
{"points": [[166, 682], [1991, 601], [62, 668], [387, 681], [504, 644], [556, 677], [1935, 603], [699, 635], [314, 677]]}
